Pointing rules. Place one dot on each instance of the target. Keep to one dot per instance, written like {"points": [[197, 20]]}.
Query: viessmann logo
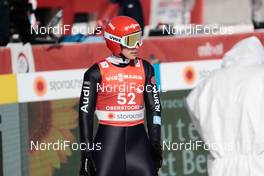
{"points": [[121, 77]]}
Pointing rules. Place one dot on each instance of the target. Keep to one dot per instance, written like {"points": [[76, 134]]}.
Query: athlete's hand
{"points": [[157, 154], [87, 165]]}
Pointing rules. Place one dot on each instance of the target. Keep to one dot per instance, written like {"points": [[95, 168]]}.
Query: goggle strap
{"points": [[113, 37], [120, 40]]}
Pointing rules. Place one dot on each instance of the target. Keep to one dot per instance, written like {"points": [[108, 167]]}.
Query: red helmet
{"points": [[122, 30]]}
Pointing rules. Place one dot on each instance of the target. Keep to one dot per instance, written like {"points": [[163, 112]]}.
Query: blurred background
{"points": [[47, 45]]}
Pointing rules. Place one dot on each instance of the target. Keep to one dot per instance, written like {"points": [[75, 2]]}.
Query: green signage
{"points": [[184, 152]]}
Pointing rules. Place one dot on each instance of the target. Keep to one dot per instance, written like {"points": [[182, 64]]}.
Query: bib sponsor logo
{"points": [[104, 65], [124, 116], [86, 93], [130, 116], [121, 77]]}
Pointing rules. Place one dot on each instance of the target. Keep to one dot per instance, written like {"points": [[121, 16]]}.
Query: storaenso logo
{"points": [[86, 93], [111, 37]]}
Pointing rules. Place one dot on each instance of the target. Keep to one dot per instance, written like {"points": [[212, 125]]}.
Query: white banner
{"points": [[171, 11], [52, 85], [185, 75]]}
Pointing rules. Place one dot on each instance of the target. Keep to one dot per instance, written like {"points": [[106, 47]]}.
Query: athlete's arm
{"points": [[153, 113], [152, 103], [92, 78]]}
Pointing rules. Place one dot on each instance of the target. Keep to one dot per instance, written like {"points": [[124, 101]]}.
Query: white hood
{"points": [[246, 52], [227, 109]]}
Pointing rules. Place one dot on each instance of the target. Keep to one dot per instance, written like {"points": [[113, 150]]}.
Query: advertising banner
{"points": [[56, 122], [184, 151], [186, 75], [52, 85], [53, 137], [165, 49], [6, 65], [8, 89], [166, 12]]}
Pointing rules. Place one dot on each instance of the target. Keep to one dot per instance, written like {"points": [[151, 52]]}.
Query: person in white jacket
{"points": [[228, 110]]}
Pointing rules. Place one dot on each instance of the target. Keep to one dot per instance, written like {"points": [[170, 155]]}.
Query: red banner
{"points": [[5, 61], [165, 49], [48, 57], [192, 48]]}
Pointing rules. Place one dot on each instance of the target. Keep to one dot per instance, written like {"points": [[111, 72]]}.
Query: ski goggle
{"points": [[129, 41]]}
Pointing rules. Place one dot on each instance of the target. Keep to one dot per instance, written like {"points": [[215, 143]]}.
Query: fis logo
{"points": [[104, 64], [86, 94]]}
